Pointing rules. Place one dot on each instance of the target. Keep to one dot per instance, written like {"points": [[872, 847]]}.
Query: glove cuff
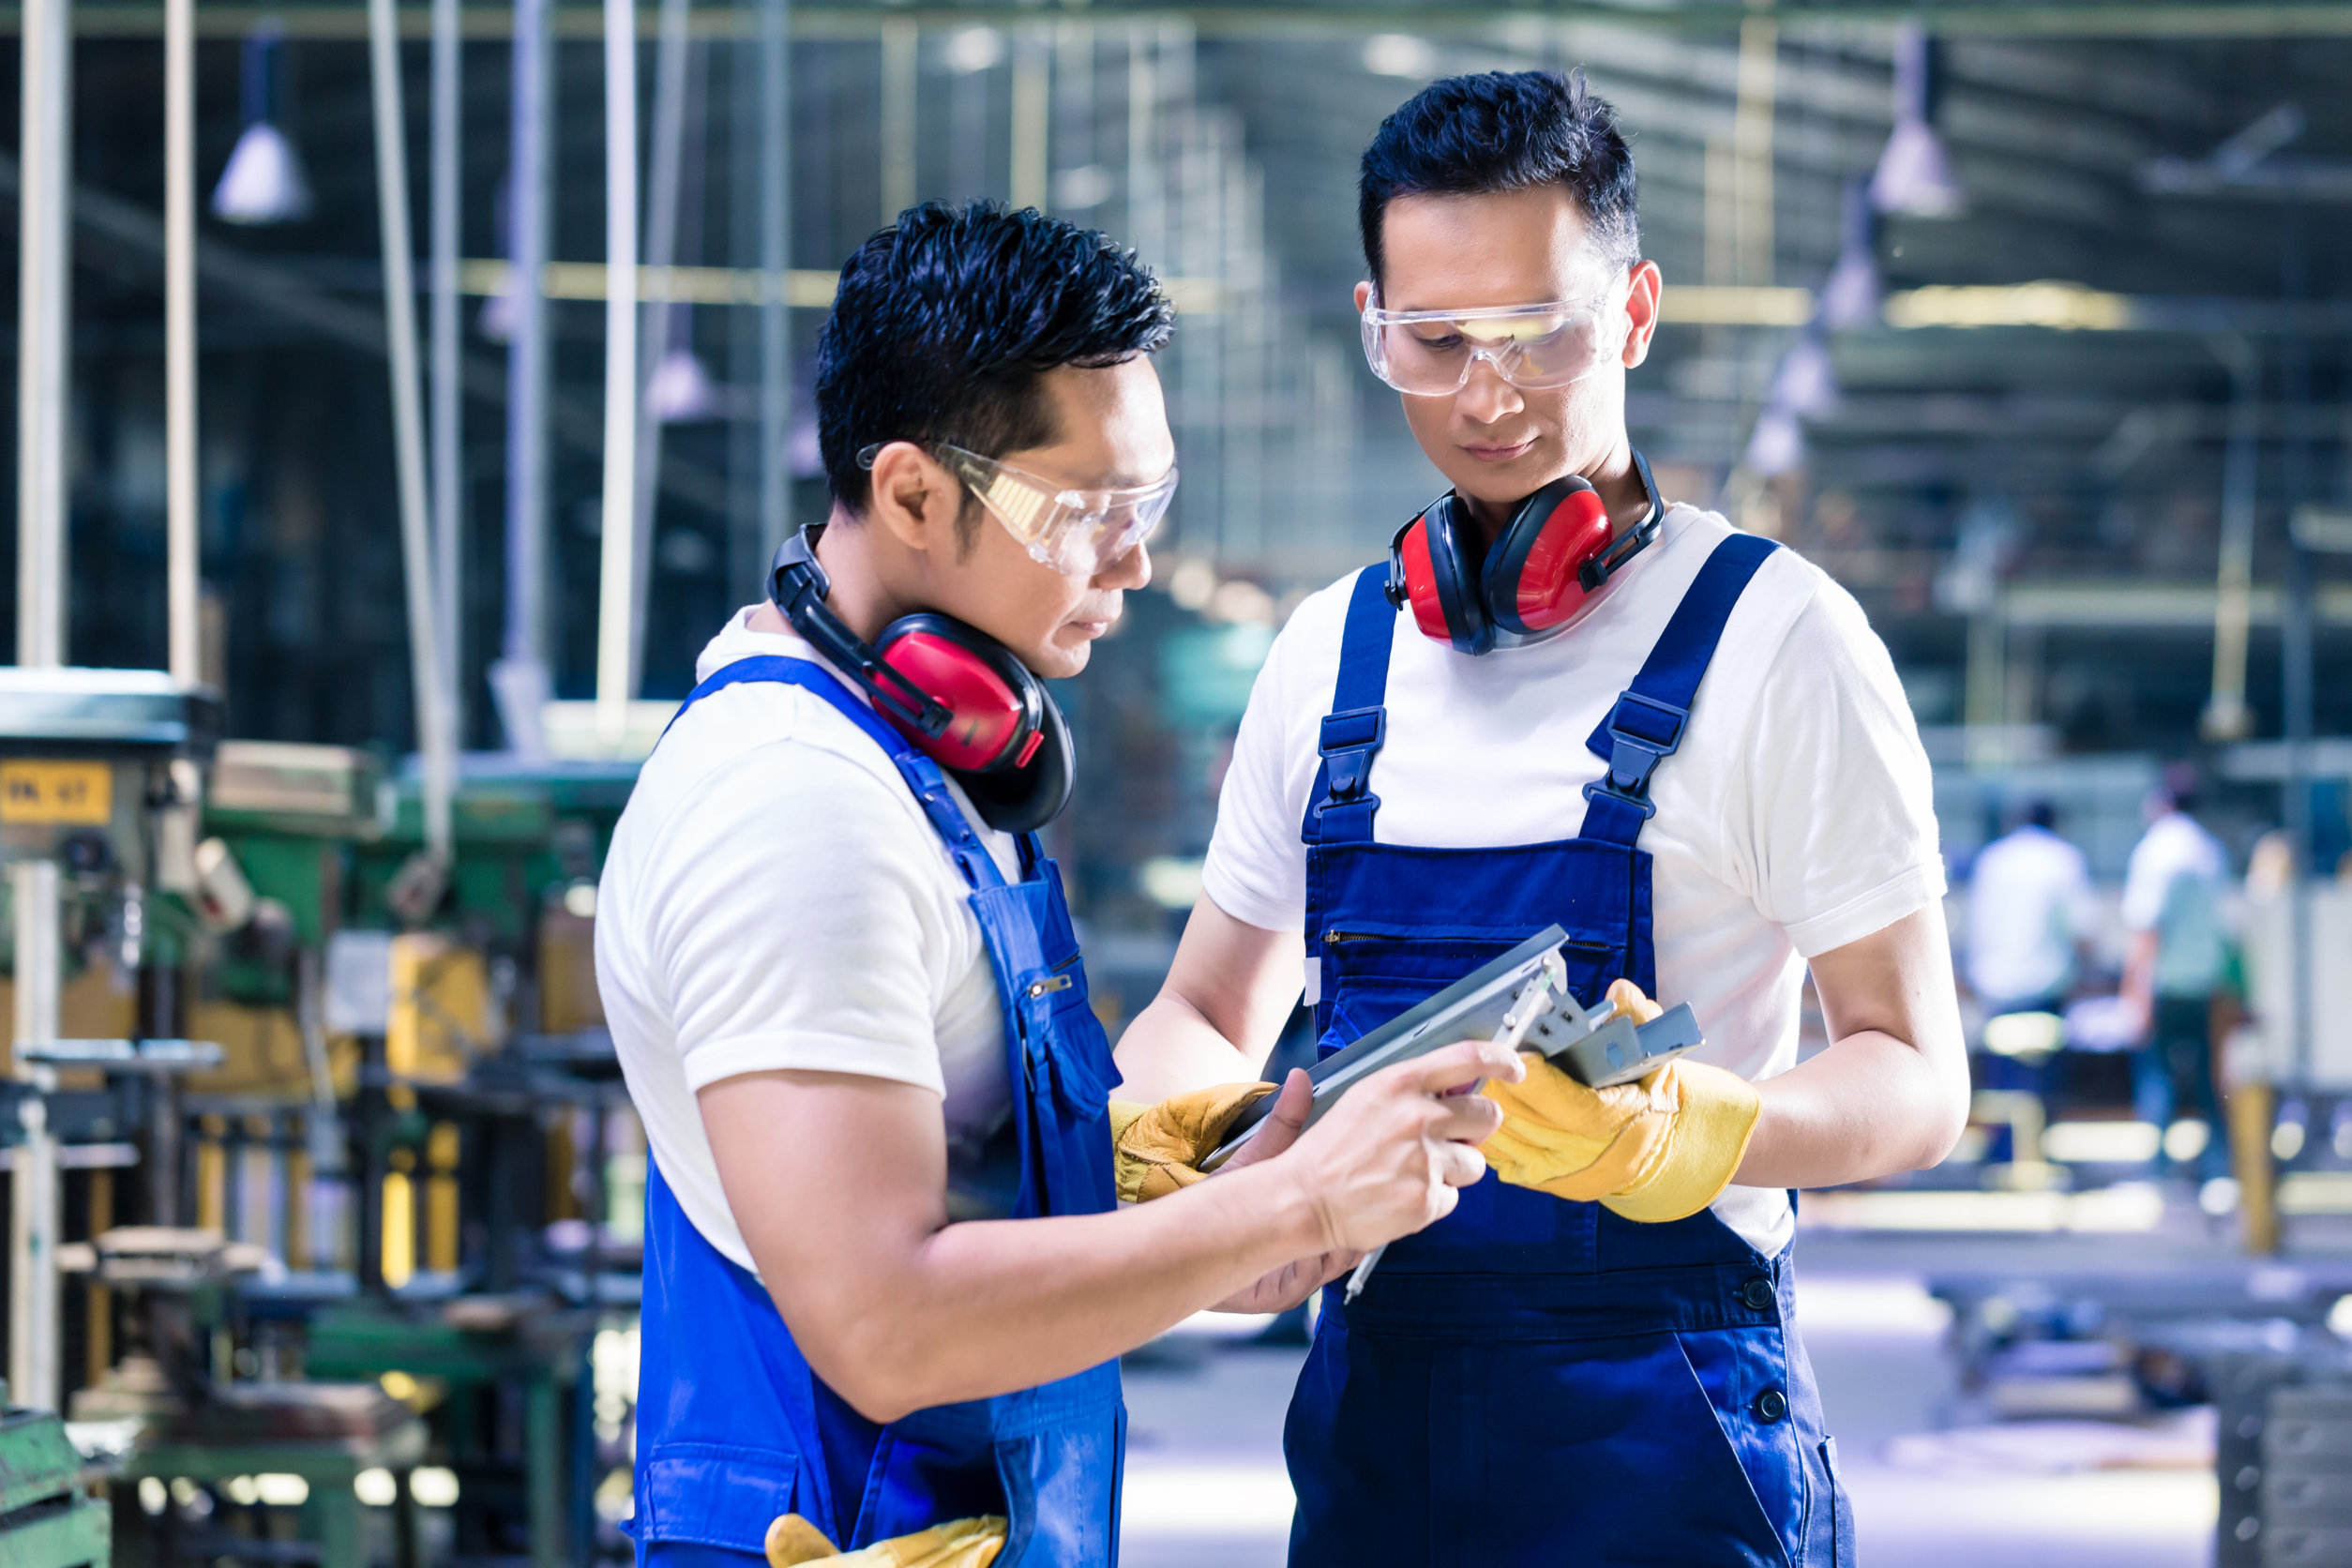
{"points": [[1702, 1151]]}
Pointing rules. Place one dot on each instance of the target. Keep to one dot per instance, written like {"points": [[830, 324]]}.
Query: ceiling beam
{"points": [[2038, 19]]}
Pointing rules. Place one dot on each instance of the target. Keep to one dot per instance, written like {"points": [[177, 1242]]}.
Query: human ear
{"points": [[1641, 311], [913, 496], [1364, 297]]}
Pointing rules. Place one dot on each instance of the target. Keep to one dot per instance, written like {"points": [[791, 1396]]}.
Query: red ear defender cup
{"points": [[959, 694], [994, 703], [1551, 562], [1529, 583], [1427, 571]]}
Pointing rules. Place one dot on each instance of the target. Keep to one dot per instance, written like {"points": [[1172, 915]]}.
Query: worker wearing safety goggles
{"points": [[1563, 700], [886, 1271]]}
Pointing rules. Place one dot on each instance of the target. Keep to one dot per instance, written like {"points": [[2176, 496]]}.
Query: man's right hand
{"points": [[1385, 1160]]}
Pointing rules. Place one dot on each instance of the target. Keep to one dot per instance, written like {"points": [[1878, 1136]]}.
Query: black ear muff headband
{"points": [[961, 696]]}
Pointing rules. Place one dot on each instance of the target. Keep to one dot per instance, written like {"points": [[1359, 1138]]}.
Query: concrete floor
{"points": [[1205, 1484]]}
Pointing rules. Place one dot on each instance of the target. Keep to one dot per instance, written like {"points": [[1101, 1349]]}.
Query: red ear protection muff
{"points": [[957, 693], [1551, 561]]}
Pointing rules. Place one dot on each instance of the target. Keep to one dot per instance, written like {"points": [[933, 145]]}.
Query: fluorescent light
{"points": [[1399, 55]]}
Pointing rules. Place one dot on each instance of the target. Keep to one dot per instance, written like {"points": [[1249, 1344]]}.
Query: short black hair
{"points": [[1501, 131], [944, 321], [2041, 814]]}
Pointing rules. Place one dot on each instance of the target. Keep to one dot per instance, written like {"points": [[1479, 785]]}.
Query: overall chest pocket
{"points": [[1369, 973], [1059, 1043]]}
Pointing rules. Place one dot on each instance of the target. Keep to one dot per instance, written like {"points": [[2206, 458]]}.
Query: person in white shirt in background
{"points": [[2173, 906], [2030, 915]]}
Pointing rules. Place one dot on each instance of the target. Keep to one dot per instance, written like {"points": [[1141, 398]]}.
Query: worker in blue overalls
{"points": [[1563, 700], [886, 1275]]}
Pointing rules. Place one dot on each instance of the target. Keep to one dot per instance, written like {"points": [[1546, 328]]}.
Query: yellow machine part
{"points": [[441, 1008], [568, 998]]}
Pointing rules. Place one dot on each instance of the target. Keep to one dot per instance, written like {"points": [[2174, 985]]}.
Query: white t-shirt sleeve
{"points": [[1256, 865], [1840, 815], [789, 932]]}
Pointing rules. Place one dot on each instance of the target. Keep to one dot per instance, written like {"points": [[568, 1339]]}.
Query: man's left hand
{"points": [[1661, 1149], [1158, 1149]]}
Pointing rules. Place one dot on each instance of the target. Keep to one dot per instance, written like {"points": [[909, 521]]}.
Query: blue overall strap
{"points": [[1339, 809], [922, 775], [1646, 726]]}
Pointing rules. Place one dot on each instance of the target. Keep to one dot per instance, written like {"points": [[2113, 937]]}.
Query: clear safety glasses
{"points": [[1537, 348], [1076, 532]]}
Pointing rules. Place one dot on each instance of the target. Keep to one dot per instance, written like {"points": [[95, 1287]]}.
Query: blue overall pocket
{"points": [[714, 1494]]}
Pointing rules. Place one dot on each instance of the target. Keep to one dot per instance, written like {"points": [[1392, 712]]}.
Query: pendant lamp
{"points": [[1914, 177], [263, 181], [1850, 298], [680, 391]]}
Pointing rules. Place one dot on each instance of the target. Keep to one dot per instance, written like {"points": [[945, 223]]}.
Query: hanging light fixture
{"points": [[263, 181], [1850, 298], [1914, 176], [679, 391], [1806, 383]]}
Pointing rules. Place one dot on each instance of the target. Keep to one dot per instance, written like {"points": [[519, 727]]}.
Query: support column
{"points": [[617, 590]]}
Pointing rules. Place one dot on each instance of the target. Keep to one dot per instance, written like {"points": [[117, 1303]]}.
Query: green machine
{"points": [[45, 1521]]}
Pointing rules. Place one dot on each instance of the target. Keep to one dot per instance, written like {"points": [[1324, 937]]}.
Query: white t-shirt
{"points": [[1797, 816], [775, 898], [2174, 886], [2029, 902]]}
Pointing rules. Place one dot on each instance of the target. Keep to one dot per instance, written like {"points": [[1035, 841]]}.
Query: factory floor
{"points": [[1205, 1484]]}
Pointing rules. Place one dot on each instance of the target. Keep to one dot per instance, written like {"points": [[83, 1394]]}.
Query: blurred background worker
{"points": [[2031, 912], [2174, 907]]}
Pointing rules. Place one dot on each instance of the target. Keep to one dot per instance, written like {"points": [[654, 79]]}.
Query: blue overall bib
{"points": [[1531, 1380], [732, 1427]]}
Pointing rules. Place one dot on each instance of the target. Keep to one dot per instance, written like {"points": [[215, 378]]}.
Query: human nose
{"points": [[1132, 568], [1487, 395]]}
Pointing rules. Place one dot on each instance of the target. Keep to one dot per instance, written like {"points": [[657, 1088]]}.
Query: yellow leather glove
{"points": [[1158, 1148], [1661, 1149], [794, 1543]]}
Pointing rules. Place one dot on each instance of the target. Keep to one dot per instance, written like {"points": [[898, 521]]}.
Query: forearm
{"points": [[990, 1307], [1170, 1049], [1869, 1105]]}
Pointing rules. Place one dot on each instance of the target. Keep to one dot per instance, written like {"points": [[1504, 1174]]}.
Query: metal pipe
{"points": [[2046, 19], [44, 390], [433, 731], [617, 597], [666, 159], [775, 260], [1032, 86], [183, 593], [901, 65], [523, 678], [447, 387], [44, 367], [2227, 717], [33, 1340]]}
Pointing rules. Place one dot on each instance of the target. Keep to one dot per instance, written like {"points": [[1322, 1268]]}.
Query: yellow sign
{"points": [[75, 792]]}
